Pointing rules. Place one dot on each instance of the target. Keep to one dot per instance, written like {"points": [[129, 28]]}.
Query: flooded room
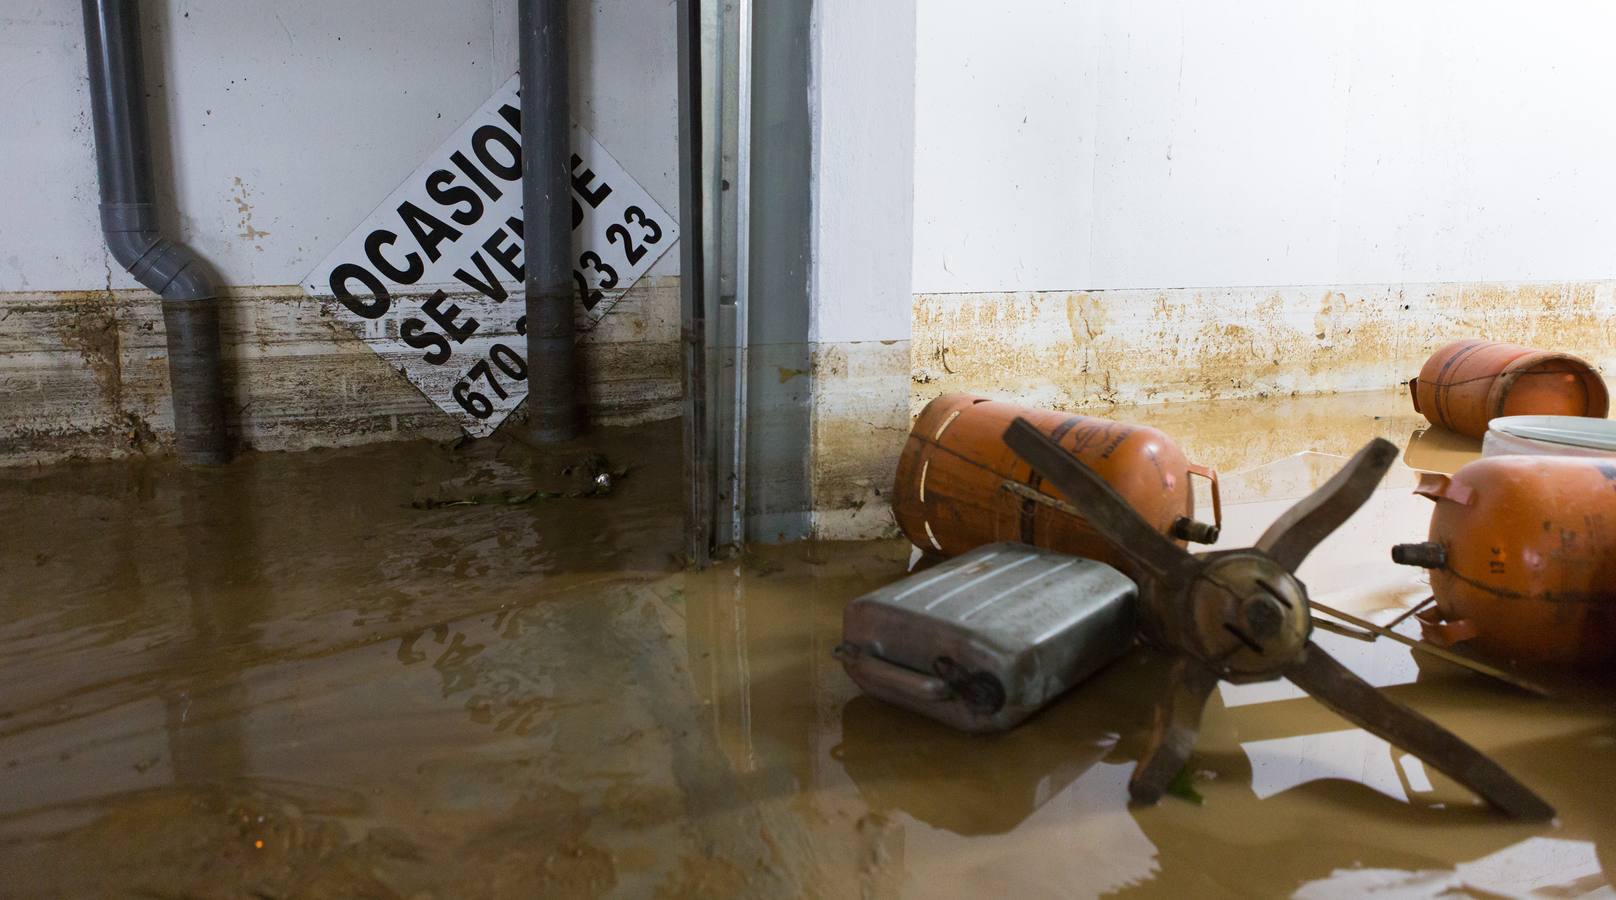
{"points": [[807, 448]]}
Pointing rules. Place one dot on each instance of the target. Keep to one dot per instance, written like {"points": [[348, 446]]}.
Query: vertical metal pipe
{"points": [[552, 400], [698, 462], [721, 153], [742, 300], [129, 224], [716, 281]]}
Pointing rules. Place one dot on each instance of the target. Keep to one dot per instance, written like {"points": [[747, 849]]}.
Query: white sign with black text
{"points": [[432, 280]]}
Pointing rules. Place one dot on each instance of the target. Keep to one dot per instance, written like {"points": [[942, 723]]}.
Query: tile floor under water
{"points": [[303, 675]]}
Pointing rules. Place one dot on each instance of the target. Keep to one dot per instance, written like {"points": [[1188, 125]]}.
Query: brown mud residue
{"points": [[286, 651], [538, 850], [1143, 346], [642, 806], [192, 841], [700, 877], [860, 422], [1086, 314], [294, 381], [90, 327], [1239, 434], [244, 209]]}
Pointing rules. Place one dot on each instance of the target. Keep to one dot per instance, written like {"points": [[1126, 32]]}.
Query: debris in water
{"points": [[597, 472], [1467, 384], [759, 565], [950, 490], [1183, 787], [504, 498], [1241, 615], [601, 482], [982, 641]]}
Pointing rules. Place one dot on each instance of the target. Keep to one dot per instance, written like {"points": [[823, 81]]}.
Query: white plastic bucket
{"points": [[1549, 436]]}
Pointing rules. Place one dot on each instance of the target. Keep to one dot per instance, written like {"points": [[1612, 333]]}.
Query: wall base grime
{"points": [[1139, 349], [1128, 352], [1103, 348], [861, 420], [85, 374]]}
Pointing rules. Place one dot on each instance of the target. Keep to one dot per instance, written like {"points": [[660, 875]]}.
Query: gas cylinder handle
{"points": [[1211, 475], [1441, 487], [1444, 632]]}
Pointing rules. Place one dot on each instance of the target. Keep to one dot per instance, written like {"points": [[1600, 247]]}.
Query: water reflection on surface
{"points": [[1541, 867], [289, 681]]}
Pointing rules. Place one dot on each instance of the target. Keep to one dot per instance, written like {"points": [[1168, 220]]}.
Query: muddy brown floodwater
{"points": [[304, 675]]}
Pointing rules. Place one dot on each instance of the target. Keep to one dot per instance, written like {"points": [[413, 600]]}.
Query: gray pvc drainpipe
{"points": [[129, 223], [552, 400]]}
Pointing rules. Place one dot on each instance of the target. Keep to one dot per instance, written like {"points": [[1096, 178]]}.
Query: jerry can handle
{"points": [[895, 678]]}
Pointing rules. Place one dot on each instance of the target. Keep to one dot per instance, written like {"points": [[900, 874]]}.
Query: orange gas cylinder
{"points": [[1522, 554], [951, 496], [1466, 384]]}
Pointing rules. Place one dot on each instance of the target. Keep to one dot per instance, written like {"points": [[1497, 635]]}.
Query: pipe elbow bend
{"points": [[170, 270], [130, 247], [191, 281]]}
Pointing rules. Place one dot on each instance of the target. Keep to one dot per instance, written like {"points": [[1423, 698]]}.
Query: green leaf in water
{"points": [[1183, 787]]}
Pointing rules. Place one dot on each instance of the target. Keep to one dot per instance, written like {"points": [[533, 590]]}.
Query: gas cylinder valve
{"points": [[1425, 554]]}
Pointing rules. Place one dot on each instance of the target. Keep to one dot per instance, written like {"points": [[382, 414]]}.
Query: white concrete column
{"points": [[861, 272]]}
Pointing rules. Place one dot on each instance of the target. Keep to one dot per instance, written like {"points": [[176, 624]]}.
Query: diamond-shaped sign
{"points": [[432, 279]]}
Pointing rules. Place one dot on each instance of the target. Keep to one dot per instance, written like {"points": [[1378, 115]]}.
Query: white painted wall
{"points": [[1162, 143], [863, 109], [289, 121]]}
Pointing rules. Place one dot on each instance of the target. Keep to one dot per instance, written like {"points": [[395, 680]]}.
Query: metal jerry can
{"points": [[982, 641], [959, 487]]}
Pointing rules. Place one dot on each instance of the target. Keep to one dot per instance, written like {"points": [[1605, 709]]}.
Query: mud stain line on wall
{"points": [[85, 373], [90, 328], [1071, 350]]}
